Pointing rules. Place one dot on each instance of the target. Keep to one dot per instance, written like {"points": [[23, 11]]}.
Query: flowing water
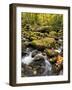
{"points": [[31, 56], [29, 59]]}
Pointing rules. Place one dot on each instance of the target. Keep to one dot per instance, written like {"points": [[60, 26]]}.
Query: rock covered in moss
{"points": [[43, 43], [52, 33], [44, 29], [51, 52]]}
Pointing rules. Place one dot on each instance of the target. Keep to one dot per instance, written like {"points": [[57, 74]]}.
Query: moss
{"points": [[32, 35], [44, 42], [44, 29], [52, 33], [51, 52]]}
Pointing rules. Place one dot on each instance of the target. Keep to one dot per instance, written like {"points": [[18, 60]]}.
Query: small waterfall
{"points": [[48, 67], [27, 59]]}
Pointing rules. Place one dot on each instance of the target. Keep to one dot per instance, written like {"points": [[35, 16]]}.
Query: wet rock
{"points": [[38, 65], [38, 60], [24, 45], [34, 53], [35, 68], [26, 70], [26, 51], [57, 68]]}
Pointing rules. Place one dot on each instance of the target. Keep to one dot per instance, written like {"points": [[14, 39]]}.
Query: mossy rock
{"points": [[25, 45], [51, 53], [52, 33], [43, 43], [31, 35], [44, 29]]}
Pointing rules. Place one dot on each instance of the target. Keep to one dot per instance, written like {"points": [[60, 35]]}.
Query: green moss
{"points": [[51, 52], [52, 33], [44, 29], [45, 42], [33, 35]]}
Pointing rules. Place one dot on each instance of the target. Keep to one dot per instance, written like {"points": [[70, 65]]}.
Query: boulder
{"points": [[44, 29], [43, 43], [38, 65], [34, 53], [52, 33], [26, 70], [38, 59], [51, 53]]}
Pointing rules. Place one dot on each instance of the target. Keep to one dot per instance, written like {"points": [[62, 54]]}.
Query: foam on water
{"points": [[27, 59]]}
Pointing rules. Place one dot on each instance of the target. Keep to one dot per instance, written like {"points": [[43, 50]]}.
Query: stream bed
{"points": [[37, 63]]}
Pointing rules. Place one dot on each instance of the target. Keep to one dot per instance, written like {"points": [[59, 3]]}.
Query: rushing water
{"points": [[29, 59], [38, 59]]}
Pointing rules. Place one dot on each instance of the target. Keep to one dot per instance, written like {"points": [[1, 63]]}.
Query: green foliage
{"points": [[41, 29], [52, 33], [35, 20]]}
